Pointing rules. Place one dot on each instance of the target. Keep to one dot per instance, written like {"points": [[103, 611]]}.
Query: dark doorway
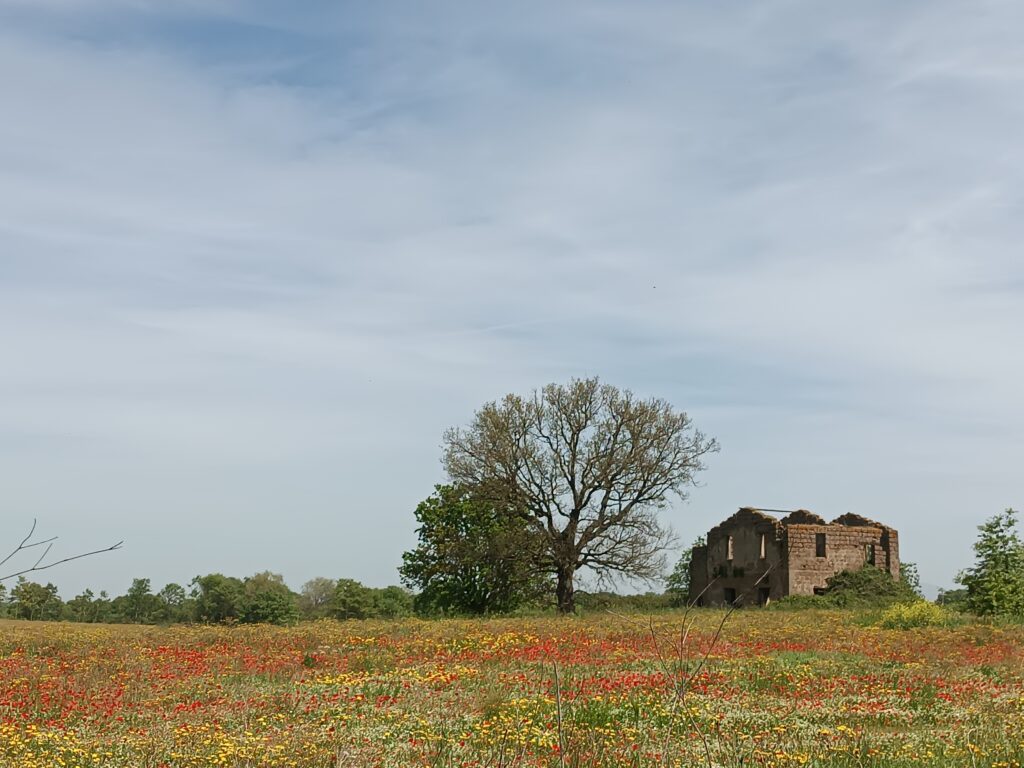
{"points": [[730, 595], [763, 593]]}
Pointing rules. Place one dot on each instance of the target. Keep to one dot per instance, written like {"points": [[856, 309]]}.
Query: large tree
{"points": [[588, 466]]}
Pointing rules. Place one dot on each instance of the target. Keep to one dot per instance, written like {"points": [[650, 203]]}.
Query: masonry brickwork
{"points": [[754, 557]]}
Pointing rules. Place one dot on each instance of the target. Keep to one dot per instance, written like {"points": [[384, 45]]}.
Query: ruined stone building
{"points": [[799, 553]]}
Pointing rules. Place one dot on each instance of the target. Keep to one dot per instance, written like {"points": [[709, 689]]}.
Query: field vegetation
{"points": [[774, 688]]}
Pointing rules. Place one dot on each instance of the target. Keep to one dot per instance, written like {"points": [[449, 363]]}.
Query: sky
{"points": [[256, 257]]}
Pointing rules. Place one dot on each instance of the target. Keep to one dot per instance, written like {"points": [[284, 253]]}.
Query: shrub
{"points": [[995, 585], [798, 603], [916, 614], [868, 587]]}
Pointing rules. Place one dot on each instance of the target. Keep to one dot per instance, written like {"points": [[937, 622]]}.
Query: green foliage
{"points": [[798, 603], [102, 608], [140, 605], [218, 598], [174, 605], [677, 585], [392, 603], [262, 598], [352, 600], [867, 587], [266, 599], [954, 599], [315, 597], [269, 607], [471, 558], [34, 601], [910, 576], [995, 585], [80, 608], [916, 614]]}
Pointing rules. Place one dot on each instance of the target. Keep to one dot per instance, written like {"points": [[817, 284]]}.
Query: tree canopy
{"points": [[995, 584], [472, 558], [587, 466]]}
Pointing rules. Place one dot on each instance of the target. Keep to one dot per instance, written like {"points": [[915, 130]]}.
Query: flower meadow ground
{"points": [[777, 689]]}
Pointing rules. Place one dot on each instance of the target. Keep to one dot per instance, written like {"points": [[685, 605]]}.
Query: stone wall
{"points": [[698, 574], [742, 576], [846, 549], [891, 545]]}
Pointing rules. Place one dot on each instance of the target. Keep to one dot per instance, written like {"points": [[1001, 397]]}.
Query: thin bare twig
{"points": [[27, 543], [558, 715]]}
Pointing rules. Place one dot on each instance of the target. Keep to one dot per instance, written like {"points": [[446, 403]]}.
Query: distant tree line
{"points": [[262, 598]]}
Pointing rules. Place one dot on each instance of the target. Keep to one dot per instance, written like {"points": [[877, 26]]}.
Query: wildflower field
{"points": [[774, 689]]}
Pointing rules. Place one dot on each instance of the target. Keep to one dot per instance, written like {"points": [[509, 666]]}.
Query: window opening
{"points": [[819, 544], [869, 554], [764, 545], [728, 548]]}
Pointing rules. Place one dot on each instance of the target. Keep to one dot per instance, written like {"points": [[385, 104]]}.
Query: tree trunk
{"points": [[564, 591]]}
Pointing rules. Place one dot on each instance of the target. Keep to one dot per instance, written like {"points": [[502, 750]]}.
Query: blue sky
{"points": [[254, 260]]}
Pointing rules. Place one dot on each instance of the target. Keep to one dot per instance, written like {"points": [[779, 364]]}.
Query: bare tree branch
{"points": [[25, 545], [39, 565]]}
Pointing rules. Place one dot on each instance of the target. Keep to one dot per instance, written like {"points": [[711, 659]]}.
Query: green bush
{"points": [[916, 614], [798, 603], [995, 584], [868, 587]]}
